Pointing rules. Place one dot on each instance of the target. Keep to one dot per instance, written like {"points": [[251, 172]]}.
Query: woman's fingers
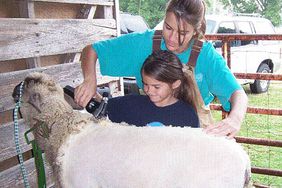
{"points": [[222, 128]]}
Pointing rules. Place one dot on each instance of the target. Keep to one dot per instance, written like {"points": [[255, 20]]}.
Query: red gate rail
{"points": [[259, 76], [267, 171], [252, 110], [230, 37], [259, 141]]}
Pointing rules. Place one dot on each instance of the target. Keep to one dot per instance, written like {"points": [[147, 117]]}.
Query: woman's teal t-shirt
{"points": [[123, 57]]}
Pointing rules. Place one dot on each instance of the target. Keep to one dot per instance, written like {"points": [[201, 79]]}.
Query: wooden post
{"points": [[87, 12], [27, 11]]}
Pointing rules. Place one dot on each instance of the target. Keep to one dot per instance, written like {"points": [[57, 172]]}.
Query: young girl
{"points": [[184, 23], [170, 95]]}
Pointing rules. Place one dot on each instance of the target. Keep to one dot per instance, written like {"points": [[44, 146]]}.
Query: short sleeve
{"points": [[220, 80], [124, 55]]}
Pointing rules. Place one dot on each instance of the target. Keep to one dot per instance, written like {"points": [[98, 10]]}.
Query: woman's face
{"points": [[171, 33], [160, 93]]}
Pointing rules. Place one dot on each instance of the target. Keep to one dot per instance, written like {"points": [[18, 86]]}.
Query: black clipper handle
{"points": [[69, 91], [97, 109]]}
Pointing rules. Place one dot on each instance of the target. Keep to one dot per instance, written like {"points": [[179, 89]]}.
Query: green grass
{"points": [[263, 126]]}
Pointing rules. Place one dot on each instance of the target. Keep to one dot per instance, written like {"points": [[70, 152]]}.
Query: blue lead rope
{"points": [[16, 137]]}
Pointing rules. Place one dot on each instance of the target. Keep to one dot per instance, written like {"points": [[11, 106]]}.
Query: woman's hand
{"points": [[227, 127], [84, 92], [231, 125]]}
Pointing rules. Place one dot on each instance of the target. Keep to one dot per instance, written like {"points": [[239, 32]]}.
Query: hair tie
{"points": [[186, 68]]}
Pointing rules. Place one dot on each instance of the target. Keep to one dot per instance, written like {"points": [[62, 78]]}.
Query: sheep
{"points": [[85, 152]]}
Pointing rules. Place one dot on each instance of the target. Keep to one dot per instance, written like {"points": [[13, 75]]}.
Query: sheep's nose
{"points": [[16, 92]]}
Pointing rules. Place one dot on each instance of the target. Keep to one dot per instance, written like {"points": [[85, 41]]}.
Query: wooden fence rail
{"points": [[40, 37]]}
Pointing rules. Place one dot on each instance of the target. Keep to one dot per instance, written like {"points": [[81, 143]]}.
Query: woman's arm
{"points": [[85, 91], [231, 125]]}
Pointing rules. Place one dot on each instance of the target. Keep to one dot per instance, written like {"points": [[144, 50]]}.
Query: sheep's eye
{"points": [[35, 96]]}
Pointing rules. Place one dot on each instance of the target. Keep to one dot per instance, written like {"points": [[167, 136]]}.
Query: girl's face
{"points": [[170, 33], [160, 93]]}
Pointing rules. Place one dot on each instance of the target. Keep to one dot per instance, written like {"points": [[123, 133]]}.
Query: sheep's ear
{"points": [[35, 101], [51, 85]]}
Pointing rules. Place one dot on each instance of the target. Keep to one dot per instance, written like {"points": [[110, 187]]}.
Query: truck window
{"points": [[210, 26], [264, 27], [227, 27], [245, 28]]}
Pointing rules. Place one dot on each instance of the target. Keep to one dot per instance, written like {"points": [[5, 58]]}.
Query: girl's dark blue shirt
{"points": [[140, 111]]}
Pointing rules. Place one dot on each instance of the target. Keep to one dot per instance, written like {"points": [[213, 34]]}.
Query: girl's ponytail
{"points": [[188, 90]]}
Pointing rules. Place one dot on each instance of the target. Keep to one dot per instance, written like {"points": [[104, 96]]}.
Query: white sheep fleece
{"points": [[86, 153], [120, 156]]}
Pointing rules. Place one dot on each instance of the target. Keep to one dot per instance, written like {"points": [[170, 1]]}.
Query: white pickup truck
{"points": [[252, 56]]}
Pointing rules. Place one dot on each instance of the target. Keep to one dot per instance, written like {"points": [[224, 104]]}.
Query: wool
{"points": [[85, 152]]}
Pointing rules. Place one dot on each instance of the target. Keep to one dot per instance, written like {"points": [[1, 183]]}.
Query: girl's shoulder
{"points": [[131, 98], [131, 102], [182, 105]]}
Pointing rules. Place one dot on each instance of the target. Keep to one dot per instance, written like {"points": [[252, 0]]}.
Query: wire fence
{"points": [[261, 132]]}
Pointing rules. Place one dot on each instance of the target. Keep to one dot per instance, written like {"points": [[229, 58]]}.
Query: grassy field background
{"points": [[264, 126]]}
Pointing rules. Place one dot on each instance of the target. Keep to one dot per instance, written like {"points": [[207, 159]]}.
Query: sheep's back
{"points": [[128, 156]]}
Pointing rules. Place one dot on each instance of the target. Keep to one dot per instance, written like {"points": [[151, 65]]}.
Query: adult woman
{"points": [[184, 22]]}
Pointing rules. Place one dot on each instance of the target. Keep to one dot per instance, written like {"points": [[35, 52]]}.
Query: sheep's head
{"points": [[38, 88], [42, 98]]}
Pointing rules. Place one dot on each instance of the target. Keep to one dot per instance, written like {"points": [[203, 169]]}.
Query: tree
{"points": [[151, 10], [270, 9]]}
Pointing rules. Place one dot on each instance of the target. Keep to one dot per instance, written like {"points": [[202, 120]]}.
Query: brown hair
{"points": [[166, 67], [190, 11]]}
